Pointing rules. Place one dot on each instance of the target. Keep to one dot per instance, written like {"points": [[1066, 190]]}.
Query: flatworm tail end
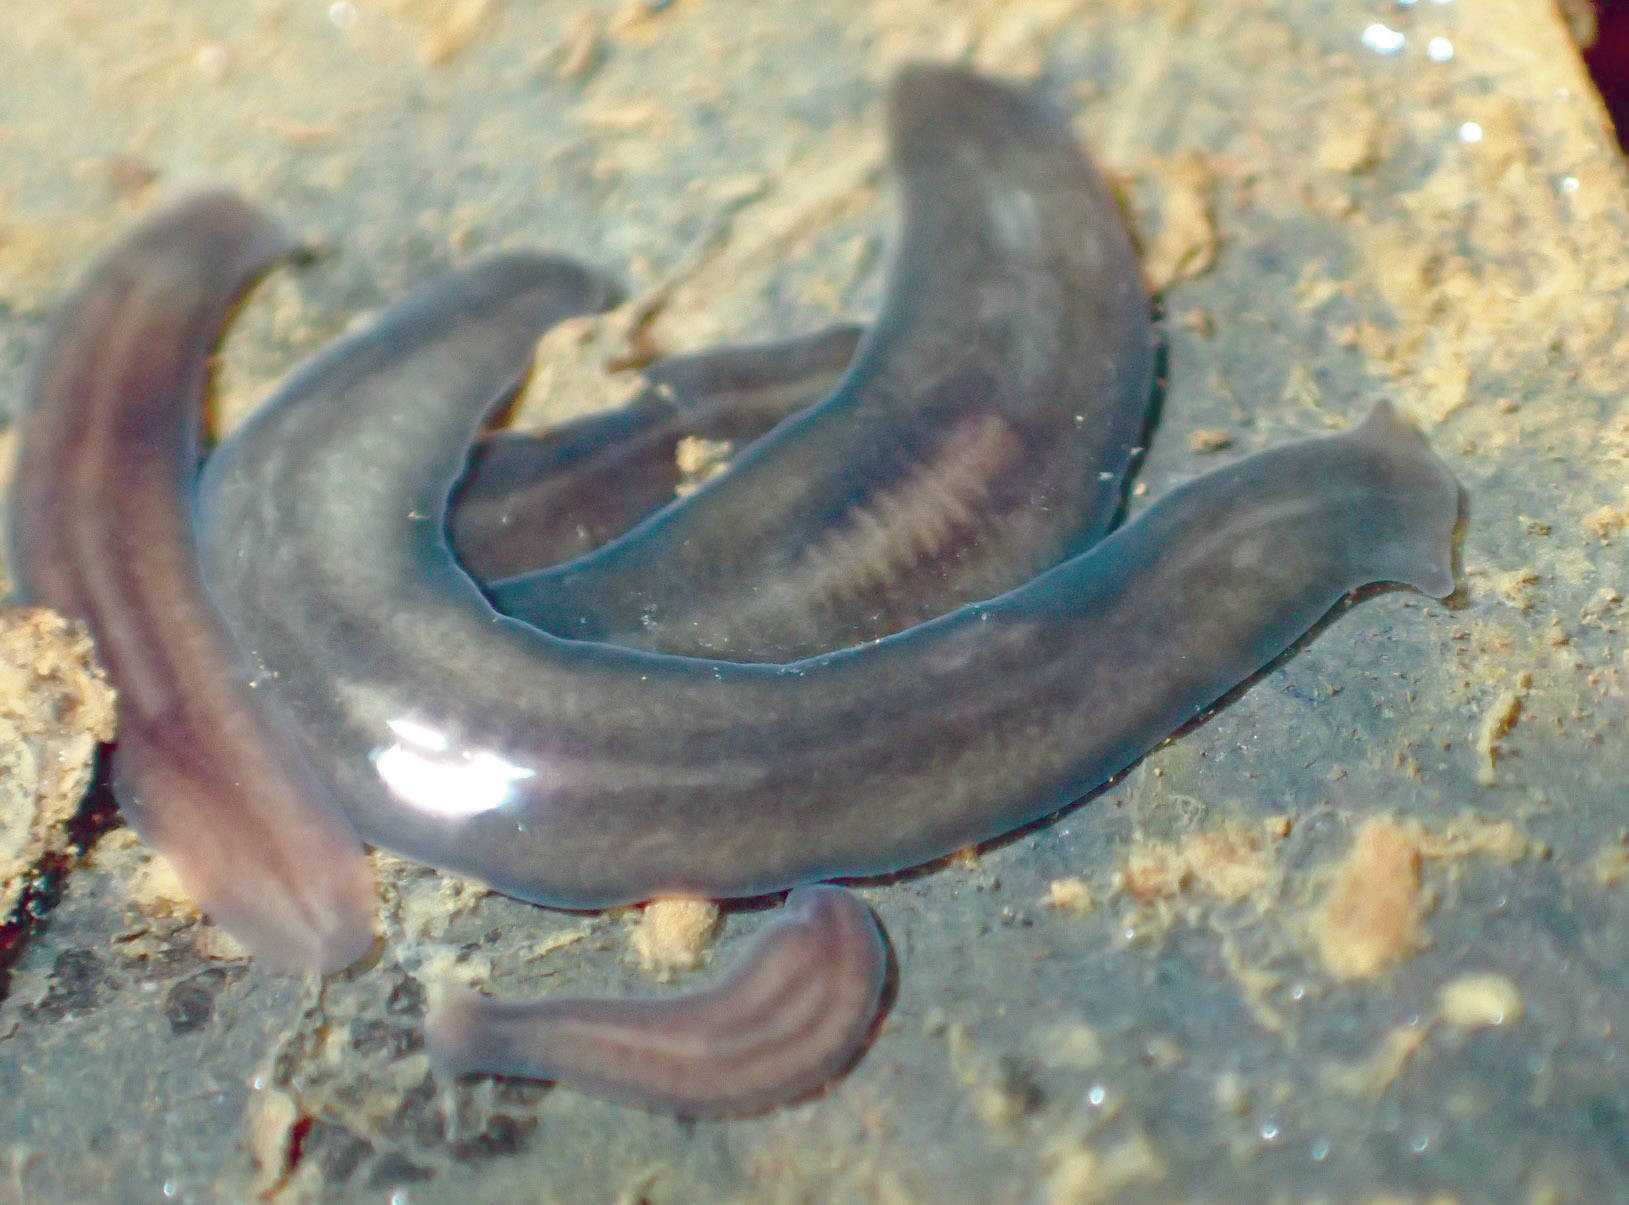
{"points": [[283, 876], [1417, 547], [795, 1010], [101, 529]]}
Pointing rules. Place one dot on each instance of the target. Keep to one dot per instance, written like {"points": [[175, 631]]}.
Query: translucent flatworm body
{"points": [[981, 433], [102, 530]]}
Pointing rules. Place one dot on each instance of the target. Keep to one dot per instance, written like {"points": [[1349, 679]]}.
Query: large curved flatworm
{"points": [[584, 774], [101, 529]]}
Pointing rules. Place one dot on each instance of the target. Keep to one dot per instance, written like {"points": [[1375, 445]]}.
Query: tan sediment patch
{"points": [[55, 707], [1371, 916], [572, 370], [1077, 1174], [1605, 522], [1477, 1000], [456, 27], [155, 903], [1186, 240], [674, 934], [758, 230], [1480, 1001], [1471, 834], [37, 253], [1515, 589], [700, 460], [1231, 862], [152, 887], [1380, 1069], [1068, 895], [1497, 722], [1350, 140], [1000, 1090], [422, 904], [577, 53], [1610, 866], [1075, 1045], [269, 1118]]}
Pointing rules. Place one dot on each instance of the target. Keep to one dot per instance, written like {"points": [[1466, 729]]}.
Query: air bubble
{"points": [[1383, 39]]}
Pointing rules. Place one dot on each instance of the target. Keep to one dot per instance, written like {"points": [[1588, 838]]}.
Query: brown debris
{"points": [[1186, 244], [571, 370], [1209, 439], [574, 58], [1470, 834], [1068, 895], [1610, 866], [455, 30], [1496, 724], [1351, 142], [1154, 870], [1231, 862], [1078, 1174], [1480, 1001], [1374, 1074], [1606, 521], [1371, 917], [965, 858], [700, 460], [674, 934], [1515, 589]]}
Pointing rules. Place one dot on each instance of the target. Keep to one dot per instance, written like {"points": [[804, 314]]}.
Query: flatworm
{"points": [[101, 530], [982, 434], [584, 774], [534, 499], [794, 1009]]}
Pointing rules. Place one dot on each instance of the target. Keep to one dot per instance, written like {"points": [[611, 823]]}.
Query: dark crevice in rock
{"points": [[96, 815]]}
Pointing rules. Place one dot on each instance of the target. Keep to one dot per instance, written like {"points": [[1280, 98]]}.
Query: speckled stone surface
{"points": [[1340, 202]]}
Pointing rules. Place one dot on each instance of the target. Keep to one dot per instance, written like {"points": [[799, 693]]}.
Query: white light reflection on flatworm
{"points": [[425, 769]]}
